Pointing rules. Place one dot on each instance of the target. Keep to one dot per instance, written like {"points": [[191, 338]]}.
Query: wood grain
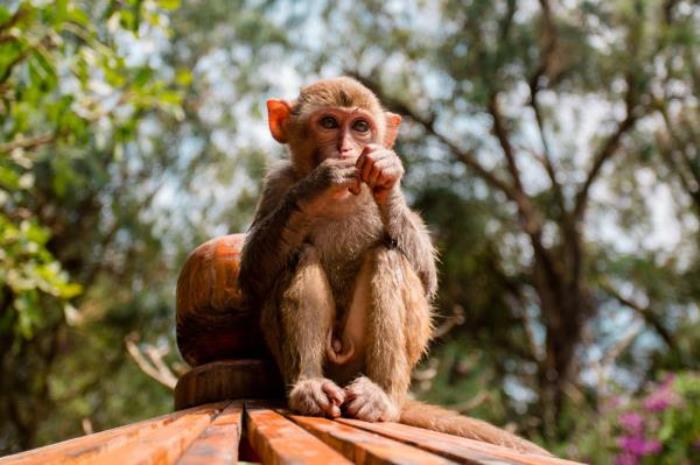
{"points": [[212, 320], [86, 448], [454, 447], [218, 443], [278, 440], [365, 448], [163, 446], [228, 379]]}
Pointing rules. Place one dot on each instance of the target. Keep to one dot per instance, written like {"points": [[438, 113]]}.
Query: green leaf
{"points": [[169, 4]]}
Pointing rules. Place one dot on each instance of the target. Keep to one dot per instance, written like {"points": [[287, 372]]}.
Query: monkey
{"points": [[344, 272]]}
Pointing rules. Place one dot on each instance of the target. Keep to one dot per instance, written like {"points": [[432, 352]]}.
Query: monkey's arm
{"points": [[408, 232], [278, 228], [283, 219]]}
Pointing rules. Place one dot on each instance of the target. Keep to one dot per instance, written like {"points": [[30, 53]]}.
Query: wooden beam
{"points": [[98, 448], [456, 448], [363, 447], [278, 441], [218, 443]]}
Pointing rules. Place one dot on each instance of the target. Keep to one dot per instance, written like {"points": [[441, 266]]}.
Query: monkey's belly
{"points": [[347, 339]]}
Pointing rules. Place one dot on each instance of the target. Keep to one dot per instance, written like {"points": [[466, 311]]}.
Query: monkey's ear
{"points": [[392, 128], [278, 112]]}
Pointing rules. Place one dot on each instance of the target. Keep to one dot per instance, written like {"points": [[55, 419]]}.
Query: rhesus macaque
{"points": [[342, 269]]}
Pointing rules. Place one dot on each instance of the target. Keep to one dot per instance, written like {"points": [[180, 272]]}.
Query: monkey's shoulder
{"points": [[280, 175]]}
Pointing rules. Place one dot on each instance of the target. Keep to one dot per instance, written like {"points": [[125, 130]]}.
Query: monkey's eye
{"points": [[360, 125], [329, 122]]}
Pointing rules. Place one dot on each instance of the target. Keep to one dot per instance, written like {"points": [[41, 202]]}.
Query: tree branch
{"points": [[154, 366], [647, 314], [606, 151], [27, 144], [499, 129], [14, 19]]}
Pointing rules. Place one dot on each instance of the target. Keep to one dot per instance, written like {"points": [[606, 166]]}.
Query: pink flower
{"points": [[632, 422], [660, 400], [638, 445], [663, 397]]}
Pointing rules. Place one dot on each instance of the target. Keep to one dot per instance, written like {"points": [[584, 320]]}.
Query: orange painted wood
{"points": [[162, 446], [456, 448], [212, 321], [228, 379], [278, 440], [366, 448], [89, 447], [218, 443]]}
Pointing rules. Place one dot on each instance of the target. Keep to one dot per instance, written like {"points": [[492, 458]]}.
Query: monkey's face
{"points": [[341, 132]]}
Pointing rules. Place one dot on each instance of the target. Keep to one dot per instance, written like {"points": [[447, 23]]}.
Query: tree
{"points": [[498, 88]]}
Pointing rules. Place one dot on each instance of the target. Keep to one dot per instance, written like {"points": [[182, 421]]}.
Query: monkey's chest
{"points": [[342, 246]]}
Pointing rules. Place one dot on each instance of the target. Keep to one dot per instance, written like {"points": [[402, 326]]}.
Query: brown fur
{"points": [[345, 281]]}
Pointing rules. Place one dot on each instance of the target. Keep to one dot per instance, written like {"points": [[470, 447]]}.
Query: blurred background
{"points": [[551, 145]]}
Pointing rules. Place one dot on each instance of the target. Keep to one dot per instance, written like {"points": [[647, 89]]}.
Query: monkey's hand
{"points": [[381, 169], [367, 401], [331, 180], [316, 397]]}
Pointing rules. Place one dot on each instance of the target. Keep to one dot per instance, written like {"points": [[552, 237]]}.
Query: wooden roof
{"points": [[258, 431]]}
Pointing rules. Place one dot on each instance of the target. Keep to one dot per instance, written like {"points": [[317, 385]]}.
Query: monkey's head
{"points": [[335, 117]]}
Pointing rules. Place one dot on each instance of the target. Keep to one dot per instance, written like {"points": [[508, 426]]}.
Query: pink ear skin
{"points": [[392, 128], [278, 112]]}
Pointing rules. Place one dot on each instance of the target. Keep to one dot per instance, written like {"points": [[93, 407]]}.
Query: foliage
{"points": [[70, 104], [658, 425], [551, 146]]}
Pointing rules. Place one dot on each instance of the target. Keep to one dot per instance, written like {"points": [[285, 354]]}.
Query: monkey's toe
{"points": [[368, 402], [316, 397]]}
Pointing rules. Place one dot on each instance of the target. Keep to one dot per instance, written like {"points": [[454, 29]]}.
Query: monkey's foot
{"points": [[367, 401], [316, 397]]}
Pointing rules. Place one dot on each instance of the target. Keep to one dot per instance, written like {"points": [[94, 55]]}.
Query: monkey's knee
{"points": [[398, 294], [307, 284], [297, 316]]}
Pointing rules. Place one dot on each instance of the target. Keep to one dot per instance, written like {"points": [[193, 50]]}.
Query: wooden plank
{"points": [[454, 447], [277, 440], [162, 447], [218, 444], [364, 448], [71, 451]]}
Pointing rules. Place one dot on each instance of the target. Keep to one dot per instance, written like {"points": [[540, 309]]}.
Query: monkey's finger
{"points": [[359, 164], [383, 155], [353, 407], [356, 187], [346, 176], [368, 412], [383, 174], [367, 170], [334, 393], [374, 175], [369, 148], [334, 412], [320, 398]]}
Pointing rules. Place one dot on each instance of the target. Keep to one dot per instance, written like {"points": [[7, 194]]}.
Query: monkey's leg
{"points": [[296, 321], [398, 327]]}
